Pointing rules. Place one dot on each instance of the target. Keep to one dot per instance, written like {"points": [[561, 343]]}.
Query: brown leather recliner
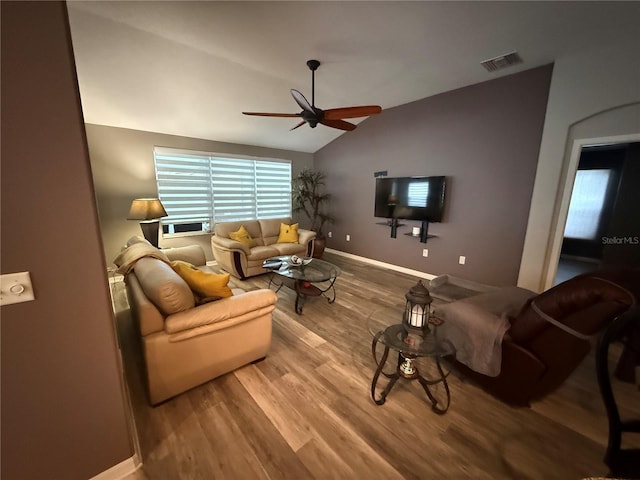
{"points": [[553, 332]]}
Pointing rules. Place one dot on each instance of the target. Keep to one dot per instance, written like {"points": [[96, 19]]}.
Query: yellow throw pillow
{"points": [[288, 233], [242, 236], [205, 284]]}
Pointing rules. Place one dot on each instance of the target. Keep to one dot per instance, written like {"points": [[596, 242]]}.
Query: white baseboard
{"points": [[121, 470], [370, 261], [377, 263]]}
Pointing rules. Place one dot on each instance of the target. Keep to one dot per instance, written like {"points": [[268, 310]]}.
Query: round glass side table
{"points": [[387, 329]]}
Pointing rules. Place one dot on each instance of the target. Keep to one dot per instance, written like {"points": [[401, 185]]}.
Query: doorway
{"points": [[603, 220]]}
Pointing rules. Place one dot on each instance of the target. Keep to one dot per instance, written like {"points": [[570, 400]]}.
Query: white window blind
{"points": [[201, 187], [587, 201], [184, 187], [273, 189]]}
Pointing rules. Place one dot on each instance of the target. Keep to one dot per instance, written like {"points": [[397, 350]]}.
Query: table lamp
{"points": [[149, 211]]}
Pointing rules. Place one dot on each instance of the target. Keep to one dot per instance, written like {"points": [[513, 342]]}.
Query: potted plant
{"points": [[308, 197]]}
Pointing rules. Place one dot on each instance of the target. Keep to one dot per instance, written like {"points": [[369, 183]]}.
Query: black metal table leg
{"points": [[392, 378], [273, 282], [427, 383], [299, 302], [331, 287]]}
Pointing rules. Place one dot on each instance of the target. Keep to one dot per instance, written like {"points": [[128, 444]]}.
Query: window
{"points": [[199, 189], [587, 201]]}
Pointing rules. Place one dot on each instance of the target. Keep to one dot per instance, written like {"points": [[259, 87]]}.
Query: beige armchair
{"points": [[185, 344]]}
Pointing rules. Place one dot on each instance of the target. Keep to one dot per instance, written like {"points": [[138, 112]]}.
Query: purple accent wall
{"points": [[485, 138], [63, 405]]}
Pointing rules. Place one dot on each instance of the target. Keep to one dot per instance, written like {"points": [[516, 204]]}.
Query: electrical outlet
{"points": [[348, 238], [330, 234], [462, 260], [425, 252]]}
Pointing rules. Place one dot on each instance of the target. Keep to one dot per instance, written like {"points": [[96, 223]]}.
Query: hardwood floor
{"points": [[305, 412]]}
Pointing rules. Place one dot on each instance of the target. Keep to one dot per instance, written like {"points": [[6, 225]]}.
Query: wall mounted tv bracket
{"points": [[424, 229]]}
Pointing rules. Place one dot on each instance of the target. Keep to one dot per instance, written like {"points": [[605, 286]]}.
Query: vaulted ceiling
{"points": [[191, 68]]}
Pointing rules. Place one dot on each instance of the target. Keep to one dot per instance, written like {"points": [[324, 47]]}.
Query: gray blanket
{"points": [[130, 255], [476, 325]]}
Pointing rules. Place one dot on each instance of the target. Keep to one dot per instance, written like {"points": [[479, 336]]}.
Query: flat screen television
{"points": [[410, 198]]}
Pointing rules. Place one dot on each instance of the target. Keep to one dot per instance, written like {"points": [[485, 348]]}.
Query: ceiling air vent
{"points": [[501, 61]]}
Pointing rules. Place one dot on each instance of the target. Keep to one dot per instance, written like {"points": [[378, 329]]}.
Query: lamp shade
{"points": [[146, 209]]}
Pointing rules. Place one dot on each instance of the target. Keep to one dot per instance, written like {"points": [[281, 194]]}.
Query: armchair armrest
{"points": [[193, 254], [209, 314], [305, 236], [229, 244]]}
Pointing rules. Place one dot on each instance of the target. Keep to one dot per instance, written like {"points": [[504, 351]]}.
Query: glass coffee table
{"points": [[312, 278], [388, 330]]}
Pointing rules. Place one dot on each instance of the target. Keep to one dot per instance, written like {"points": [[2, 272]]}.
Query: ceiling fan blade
{"points": [[300, 100], [340, 124], [351, 112], [263, 114], [299, 125]]}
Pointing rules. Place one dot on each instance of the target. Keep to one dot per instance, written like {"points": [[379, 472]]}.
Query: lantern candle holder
{"points": [[416, 324], [416, 313]]}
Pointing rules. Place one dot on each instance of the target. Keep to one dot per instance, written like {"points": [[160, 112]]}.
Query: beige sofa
{"points": [[185, 345], [244, 261]]}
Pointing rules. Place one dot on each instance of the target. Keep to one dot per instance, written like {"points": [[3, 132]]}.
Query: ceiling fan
{"points": [[333, 117]]}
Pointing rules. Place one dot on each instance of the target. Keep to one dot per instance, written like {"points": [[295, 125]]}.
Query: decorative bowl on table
{"points": [[296, 260]]}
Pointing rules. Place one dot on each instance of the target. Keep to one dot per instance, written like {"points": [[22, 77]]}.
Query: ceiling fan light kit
{"points": [[312, 115]]}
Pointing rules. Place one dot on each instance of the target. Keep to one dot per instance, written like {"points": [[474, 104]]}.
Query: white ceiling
{"points": [[191, 68]]}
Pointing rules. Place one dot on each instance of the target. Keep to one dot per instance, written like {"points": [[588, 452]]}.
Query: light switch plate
{"points": [[16, 288]]}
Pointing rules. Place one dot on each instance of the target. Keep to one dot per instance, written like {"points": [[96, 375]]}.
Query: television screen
{"points": [[410, 198]]}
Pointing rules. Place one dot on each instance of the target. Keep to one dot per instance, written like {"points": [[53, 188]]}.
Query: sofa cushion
{"points": [[288, 233], [207, 285], [242, 235], [225, 313], [223, 229], [289, 249], [193, 254], [270, 229], [262, 253], [164, 287]]}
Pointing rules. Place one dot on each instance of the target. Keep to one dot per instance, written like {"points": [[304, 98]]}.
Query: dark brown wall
{"points": [[485, 138], [63, 413], [622, 244]]}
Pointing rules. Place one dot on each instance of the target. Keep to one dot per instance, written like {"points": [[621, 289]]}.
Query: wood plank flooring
{"points": [[305, 412]]}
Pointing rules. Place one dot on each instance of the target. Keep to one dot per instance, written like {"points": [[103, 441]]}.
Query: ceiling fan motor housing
{"points": [[312, 118], [313, 65]]}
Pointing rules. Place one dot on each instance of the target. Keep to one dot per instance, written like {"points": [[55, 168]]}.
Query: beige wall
{"points": [[63, 407], [599, 84], [123, 169]]}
